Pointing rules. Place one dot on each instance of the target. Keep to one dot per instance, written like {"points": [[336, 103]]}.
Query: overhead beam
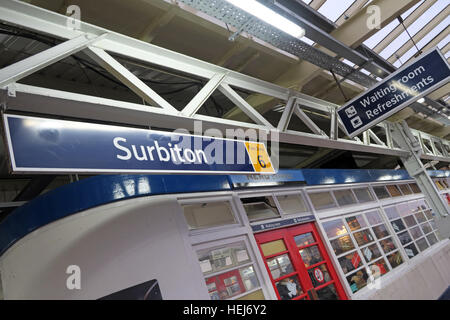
{"points": [[27, 66], [129, 79], [200, 98], [391, 36], [420, 34], [352, 34]]}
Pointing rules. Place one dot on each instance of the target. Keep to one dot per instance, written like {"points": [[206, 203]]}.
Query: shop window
{"points": [[342, 244], [207, 215], [395, 259], [413, 225], [344, 197], [222, 258], [357, 280], [229, 272], [322, 200], [334, 228], [260, 208], [394, 191], [405, 189], [363, 246], [374, 217], [356, 222], [444, 183], [292, 204], [415, 188], [381, 192], [439, 185], [363, 195]]}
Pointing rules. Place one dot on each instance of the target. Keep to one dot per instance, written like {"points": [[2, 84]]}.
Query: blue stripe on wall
{"points": [[103, 189]]}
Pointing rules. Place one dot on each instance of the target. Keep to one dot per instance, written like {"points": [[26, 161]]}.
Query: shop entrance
{"points": [[298, 264]]}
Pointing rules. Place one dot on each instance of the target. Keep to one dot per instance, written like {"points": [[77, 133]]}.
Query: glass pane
{"points": [[311, 256], [371, 252], [422, 244], [289, 288], [363, 237], [291, 204], [387, 245], [414, 188], [304, 239], [334, 228], [404, 209], [344, 197], [381, 192], [270, 248], [363, 195], [416, 232], [405, 189], [327, 293], [398, 225], [378, 268], [391, 212], [410, 221], [280, 266], [395, 259], [221, 258], [342, 244], [420, 217], [433, 224], [249, 278], [356, 222], [260, 208], [426, 228], [404, 237], [428, 214], [350, 262], [393, 190], [232, 286], [206, 215], [322, 200], [319, 275], [432, 239], [416, 206], [357, 280], [374, 217], [380, 231], [411, 250]]}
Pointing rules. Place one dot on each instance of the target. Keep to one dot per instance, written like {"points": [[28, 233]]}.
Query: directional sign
{"points": [[62, 146], [406, 85]]}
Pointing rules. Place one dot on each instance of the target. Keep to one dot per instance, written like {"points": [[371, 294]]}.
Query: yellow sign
{"points": [[259, 157]]}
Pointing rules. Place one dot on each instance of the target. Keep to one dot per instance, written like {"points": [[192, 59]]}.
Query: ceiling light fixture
{"points": [[269, 16], [421, 100]]}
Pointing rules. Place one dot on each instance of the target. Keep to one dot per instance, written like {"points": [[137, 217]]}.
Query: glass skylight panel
{"points": [[380, 35], [415, 27], [307, 40], [351, 64], [425, 40], [307, 1], [444, 42], [411, 10], [333, 9]]}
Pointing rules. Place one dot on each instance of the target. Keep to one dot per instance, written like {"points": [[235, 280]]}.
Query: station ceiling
{"points": [[176, 26]]}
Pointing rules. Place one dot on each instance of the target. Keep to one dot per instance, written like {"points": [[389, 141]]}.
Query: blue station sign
{"points": [[394, 93], [42, 145]]}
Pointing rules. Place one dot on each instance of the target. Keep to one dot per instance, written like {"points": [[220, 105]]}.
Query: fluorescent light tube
{"points": [[269, 16], [421, 100]]}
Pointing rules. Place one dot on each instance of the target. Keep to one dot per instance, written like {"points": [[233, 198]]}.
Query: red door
{"points": [[298, 264]]}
